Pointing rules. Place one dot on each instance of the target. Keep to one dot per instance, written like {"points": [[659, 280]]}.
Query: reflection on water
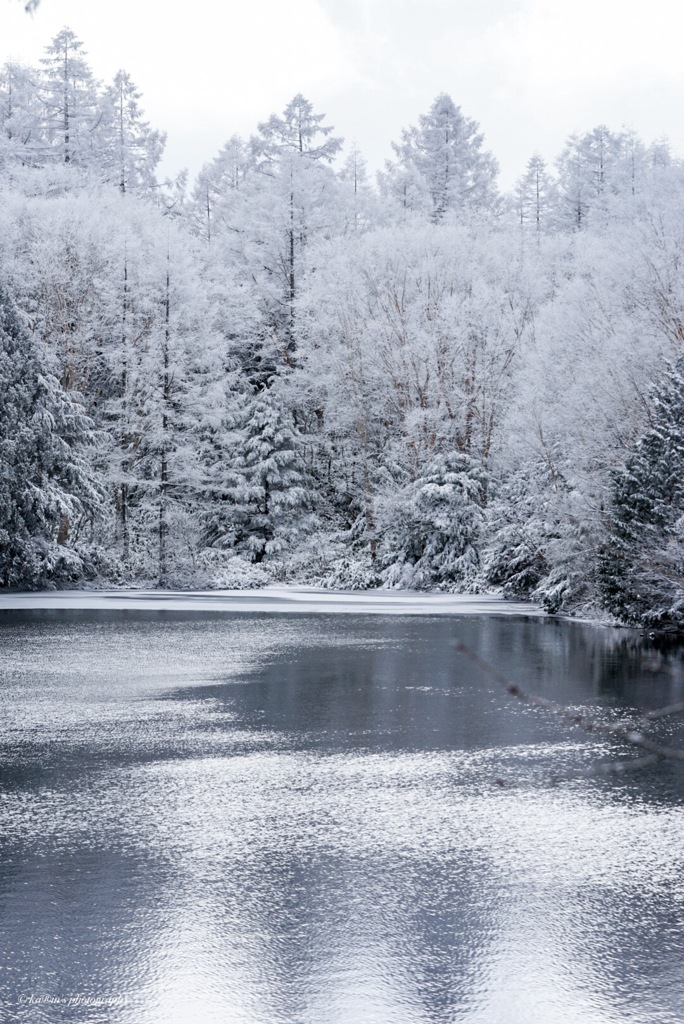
{"points": [[275, 820]]}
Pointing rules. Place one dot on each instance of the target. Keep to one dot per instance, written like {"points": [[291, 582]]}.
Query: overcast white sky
{"points": [[530, 71]]}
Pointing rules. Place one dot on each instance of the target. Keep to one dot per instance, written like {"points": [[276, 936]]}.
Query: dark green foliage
{"points": [[263, 510], [641, 566], [519, 527], [431, 529], [46, 487]]}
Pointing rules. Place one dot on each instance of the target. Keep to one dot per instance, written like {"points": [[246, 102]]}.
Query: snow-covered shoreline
{"points": [[271, 599]]}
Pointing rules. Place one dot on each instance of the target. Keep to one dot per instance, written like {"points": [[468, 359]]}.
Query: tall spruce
{"points": [[641, 567], [48, 492], [260, 489]]}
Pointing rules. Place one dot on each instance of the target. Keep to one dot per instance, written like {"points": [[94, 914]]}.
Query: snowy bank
{"points": [[272, 599]]}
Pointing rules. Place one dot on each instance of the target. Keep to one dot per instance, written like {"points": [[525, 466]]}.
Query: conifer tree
{"points": [[21, 108], [641, 567], [595, 167], [131, 149], [217, 184], [292, 152], [259, 482], [72, 115], [47, 489], [537, 198], [432, 529], [440, 165]]}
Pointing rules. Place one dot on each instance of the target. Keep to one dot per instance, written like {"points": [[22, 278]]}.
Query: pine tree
{"points": [[537, 198], [260, 488], [432, 529], [72, 115], [441, 166], [21, 108], [131, 149], [47, 489], [641, 567]]}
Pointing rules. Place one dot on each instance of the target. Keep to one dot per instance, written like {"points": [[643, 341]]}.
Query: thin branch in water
{"points": [[607, 768], [629, 732], [671, 709]]}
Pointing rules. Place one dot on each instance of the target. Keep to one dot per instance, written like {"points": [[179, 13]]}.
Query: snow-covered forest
{"points": [[286, 371]]}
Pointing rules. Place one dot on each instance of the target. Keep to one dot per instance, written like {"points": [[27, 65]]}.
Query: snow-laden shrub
{"points": [[354, 570], [311, 561], [222, 570]]}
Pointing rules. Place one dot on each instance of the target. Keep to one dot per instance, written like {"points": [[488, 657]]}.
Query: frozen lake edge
{"points": [[303, 600]]}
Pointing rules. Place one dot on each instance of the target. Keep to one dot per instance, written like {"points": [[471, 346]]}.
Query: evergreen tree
{"points": [[47, 489], [539, 538], [21, 108], [72, 115], [432, 529], [536, 198], [441, 166], [521, 528], [131, 149], [259, 483], [641, 567]]}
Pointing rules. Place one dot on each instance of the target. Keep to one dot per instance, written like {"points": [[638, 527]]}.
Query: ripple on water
{"points": [[266, 853]]}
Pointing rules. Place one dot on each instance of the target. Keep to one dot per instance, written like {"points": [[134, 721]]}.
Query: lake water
{"points": [[257, 818]]}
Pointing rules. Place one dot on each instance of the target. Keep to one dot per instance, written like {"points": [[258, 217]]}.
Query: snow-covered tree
{"points": [[21, 109], [296, 130], [587, 169], [603, 174], [431, 529], [540, 544], [292, 154], [162, 365], [48, 492], [258, 481], [642, 561], [131, 149], [536, 198], [440, 165], [358, 200], [215, 185], [73, 118]]}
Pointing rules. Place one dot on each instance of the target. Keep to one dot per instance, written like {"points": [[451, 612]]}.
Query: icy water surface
{"points": [[329, 819]]}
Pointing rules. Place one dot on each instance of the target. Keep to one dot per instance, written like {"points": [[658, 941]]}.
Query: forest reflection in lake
{"points": [[275, 819]]}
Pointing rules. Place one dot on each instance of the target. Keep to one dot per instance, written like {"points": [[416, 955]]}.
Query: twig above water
{"points": [[632, 732]]}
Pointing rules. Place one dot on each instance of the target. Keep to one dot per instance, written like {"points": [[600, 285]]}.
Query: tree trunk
{"points": [[164, 467]]}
